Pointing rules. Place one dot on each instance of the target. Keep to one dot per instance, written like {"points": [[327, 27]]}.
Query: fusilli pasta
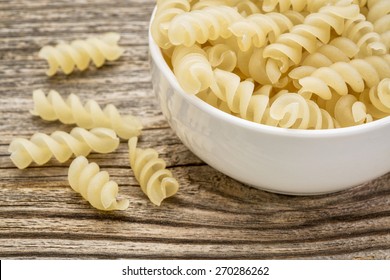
{"points": [[288, 48], [258, 29], [149, 170], [291, 63], [79, 53], [378, 99], [201, 25], [362, 33], [349, 111], [340, 49], [71, 111], [357, 74], [166, 11], [244, 7], [221, 56], [291, 110], [239, 96], [42, 147], [192, 68], [296, 5], [95, 185], [379, 15]]}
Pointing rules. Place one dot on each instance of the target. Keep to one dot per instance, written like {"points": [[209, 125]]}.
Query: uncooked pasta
{"points": [[316, 28], [61, 145], [94, 185], [342, 77], [293, 64], [52, 107], [259, 29], [79, 53], [192, 68], [150, 171]]}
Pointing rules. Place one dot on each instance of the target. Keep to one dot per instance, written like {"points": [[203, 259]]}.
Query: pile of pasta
{"points": [[97, 131], [287, 63]]}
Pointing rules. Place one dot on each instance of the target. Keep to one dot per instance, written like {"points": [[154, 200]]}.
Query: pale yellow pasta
{"points": [[361, 3], [288, 48], [378, 9], [199, 26], [53, 107], [244, 7], [340, 49], [362, 33], [379, 15], [79, 53], [289, 63], [259, 29], [94, 185], [192, 68], [210, 98], [221, 56], [247, 7], [296, 5], [150, 171], [357, 74], [349, 111], [240, 98], [291, 110], [166, 11], [229, 88], [61, 145], [253, 64], [379, 99]]}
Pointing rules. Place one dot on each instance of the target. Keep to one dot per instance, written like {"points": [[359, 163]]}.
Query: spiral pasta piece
{"points": [[247, 7], [288, 48], [192, 69], [166, 11], [240, 97], [340, 49], [363, 34], [253, 65], [349, 111], [42, 147], [358, 73], [198, 26], [377, 10], [244, 7], [149, 170], [295, 5], [379, 15], [379, 98], [53, 107], [291, 110], [79, 53], [222, 56], [259, 29], [229, 88], [94, 185]]}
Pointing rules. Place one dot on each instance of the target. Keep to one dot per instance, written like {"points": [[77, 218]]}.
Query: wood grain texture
{"points": [[212, 216]]}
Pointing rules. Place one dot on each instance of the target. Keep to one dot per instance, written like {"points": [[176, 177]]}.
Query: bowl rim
{"points": [[156, 55]]}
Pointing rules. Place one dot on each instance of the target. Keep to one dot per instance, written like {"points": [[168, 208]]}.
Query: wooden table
{"points": [[212, 216]]}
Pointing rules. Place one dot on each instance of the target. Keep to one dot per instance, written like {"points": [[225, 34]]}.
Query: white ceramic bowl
{"points": [[275, 159]]}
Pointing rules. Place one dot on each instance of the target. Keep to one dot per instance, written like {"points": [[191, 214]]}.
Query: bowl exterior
{"points": [[274, 159]]}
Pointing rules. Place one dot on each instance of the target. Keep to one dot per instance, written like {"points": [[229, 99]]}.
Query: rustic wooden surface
{"points": [[212, 216]]}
